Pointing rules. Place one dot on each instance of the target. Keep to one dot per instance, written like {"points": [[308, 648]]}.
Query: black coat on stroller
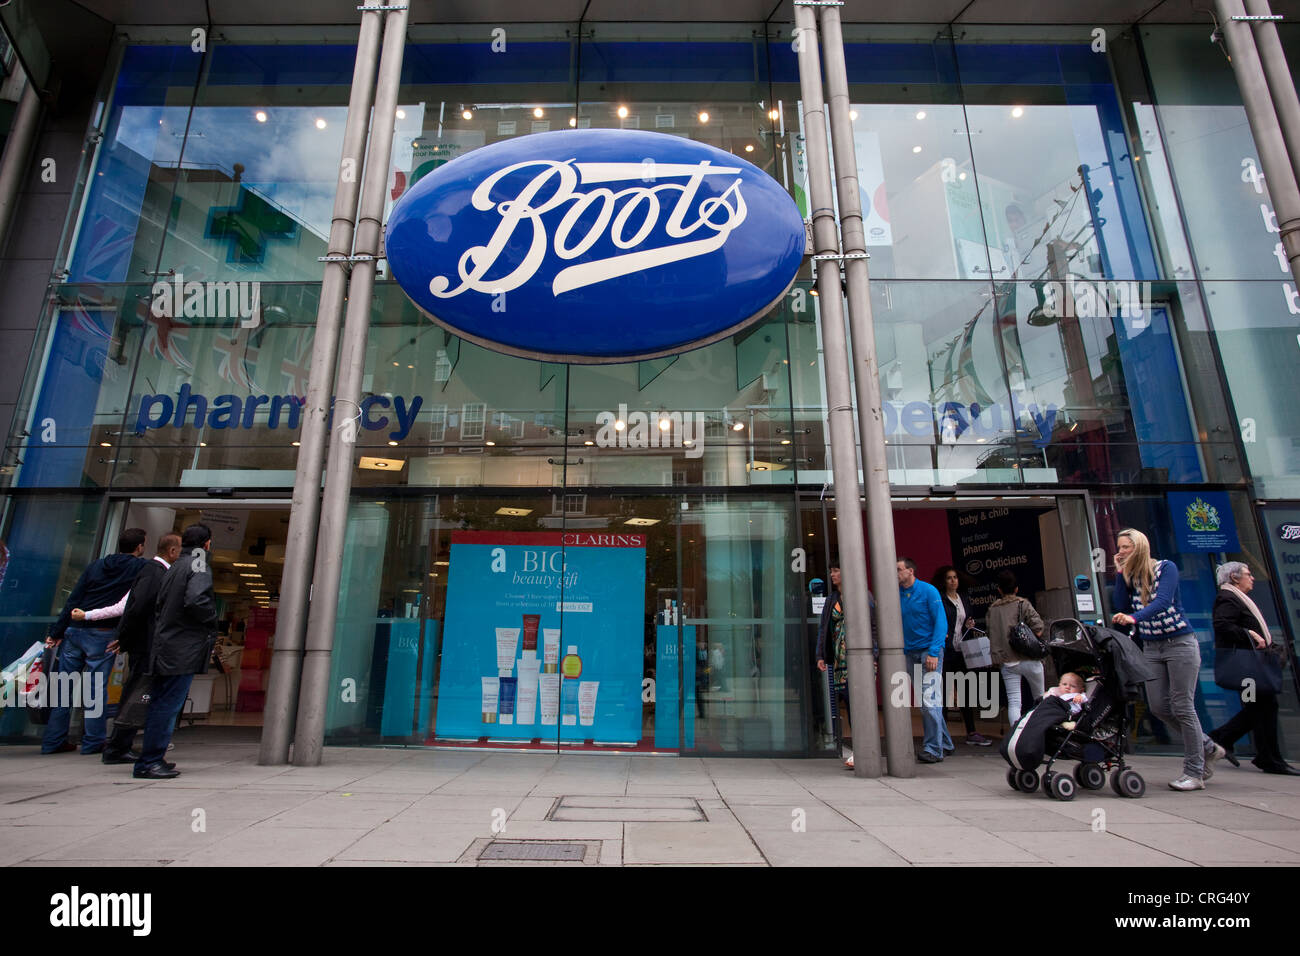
{"points": [[1113, 670]]}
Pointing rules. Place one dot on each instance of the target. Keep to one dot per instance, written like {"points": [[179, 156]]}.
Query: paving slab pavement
{"points": [[419, 806]]}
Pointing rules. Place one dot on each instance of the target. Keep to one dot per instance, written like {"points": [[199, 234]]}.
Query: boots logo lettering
{"points": [[595, 246]]}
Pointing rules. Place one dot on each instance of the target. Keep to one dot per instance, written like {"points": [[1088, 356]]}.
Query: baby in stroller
{"points": [[1082, 718]]}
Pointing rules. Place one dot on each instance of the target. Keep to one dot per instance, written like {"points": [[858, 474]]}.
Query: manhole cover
{"points": [[554, 852]]}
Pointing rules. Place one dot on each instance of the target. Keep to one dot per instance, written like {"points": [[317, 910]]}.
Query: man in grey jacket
{"points": [[184, 632]]}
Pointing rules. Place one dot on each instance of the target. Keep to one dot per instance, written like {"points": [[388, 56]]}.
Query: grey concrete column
{"points": [[291, 621], [899, 757], [1264, 126], [309, 735], [844, 459]]}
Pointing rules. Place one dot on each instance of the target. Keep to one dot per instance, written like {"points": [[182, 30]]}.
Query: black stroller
{"points": [[1112, 668]]}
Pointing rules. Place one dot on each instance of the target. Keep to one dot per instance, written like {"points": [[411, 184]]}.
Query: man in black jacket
{"points": [[134, 637], [185, 628], [103, 583]]}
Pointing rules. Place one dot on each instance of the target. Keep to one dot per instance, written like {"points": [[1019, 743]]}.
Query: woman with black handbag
{"points": [[1243, 651], [948, 583], [1008, 611]]}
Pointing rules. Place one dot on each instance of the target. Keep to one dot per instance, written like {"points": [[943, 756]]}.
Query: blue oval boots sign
{"points": [[595, 246]]}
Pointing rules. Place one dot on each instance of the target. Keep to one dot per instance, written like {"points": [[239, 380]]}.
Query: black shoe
{"points": [[924, 757], [1231, 757], [129, 756], [1285, 768], [155, 772], [169, 765]]}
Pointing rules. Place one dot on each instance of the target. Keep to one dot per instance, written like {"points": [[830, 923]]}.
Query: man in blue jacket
{"points": [[925, 629], [100, 585]]}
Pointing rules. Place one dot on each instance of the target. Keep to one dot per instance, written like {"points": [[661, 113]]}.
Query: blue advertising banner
{"points": [[1203, 521], [544, 637]]}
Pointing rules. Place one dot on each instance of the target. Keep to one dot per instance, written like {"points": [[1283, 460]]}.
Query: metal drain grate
{"points": [[531, 852]]}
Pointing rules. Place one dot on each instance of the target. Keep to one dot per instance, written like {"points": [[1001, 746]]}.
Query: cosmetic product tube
{"points": [[587, 702], [526, 704], [531, 622], [548, 698], [509, 686], [491, 694], [550, 650], [507, 643]]}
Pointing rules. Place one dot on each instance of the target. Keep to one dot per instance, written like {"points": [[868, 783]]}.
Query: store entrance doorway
{"points": [[1047, 542], [248, 546]]}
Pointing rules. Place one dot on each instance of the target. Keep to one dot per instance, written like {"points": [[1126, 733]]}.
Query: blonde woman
{"points": [[1146, 598]]}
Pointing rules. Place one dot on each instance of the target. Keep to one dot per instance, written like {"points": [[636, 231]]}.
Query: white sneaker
{"points": [[1213, 752], [848, 761], [1187, 783]]}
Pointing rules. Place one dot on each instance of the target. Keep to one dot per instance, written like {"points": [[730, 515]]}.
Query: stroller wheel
{"points": [[1012, 774], [1028, 780], [1090, 776], [1062, 786], [1128, 783], [1048, 777]]}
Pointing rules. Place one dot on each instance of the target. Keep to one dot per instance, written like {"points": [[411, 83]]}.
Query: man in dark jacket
{"points": [[103, 583], [135, 638], [185, 628]]}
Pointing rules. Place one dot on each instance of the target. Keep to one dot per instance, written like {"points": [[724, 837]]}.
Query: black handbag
{"points": [[1238, 668], [1024, 641]]}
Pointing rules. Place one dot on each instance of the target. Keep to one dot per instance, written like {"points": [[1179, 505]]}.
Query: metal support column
{"points": [[853, 565], [1278, 77], [309, 735], [13, 165], [1264, 126], [899, 758], [286, 659]]}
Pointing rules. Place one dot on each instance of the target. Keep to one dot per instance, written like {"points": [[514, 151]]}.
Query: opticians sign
{"points": [[595, 246]]}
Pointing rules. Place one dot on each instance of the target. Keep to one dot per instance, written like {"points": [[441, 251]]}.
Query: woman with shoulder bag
{"points": [[1146, 598], [1007, 611], [948, 584], [1240, 629]]}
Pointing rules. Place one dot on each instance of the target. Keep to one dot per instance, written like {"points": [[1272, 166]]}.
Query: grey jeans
{"points": [[1172, 694]]}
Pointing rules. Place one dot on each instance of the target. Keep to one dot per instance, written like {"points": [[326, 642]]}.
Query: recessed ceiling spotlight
{"points": [[921, 114], [260, 116], [622, 112], [320, 122], [1018, 112]]}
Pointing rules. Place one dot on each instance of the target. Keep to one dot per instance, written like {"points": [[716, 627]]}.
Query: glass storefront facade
{"points": [[1066, 330]]}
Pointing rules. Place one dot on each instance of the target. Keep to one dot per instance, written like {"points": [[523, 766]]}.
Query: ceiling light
{"points": [[921, 115], [961, 175], [203, 444], [773, 114], [466, 114], [538, 112], [687, 442], [749, 148], [642, 522], [490, 444], [704, 117], [393, 443], [320, 122], [295, 444], [239, 565], [785, 441], [665, 424], [853, 114], [382, 464], [622, 112], [260, 116], [401, 114], [737, 426], [515, 512], [1018, 112], [620, 425], [573, 121], [916, 149], [249, 574], [589, 442], [106, 444]]}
